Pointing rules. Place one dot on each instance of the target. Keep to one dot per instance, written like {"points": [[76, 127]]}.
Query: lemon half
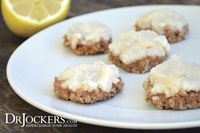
{"points": [[26, 17]]}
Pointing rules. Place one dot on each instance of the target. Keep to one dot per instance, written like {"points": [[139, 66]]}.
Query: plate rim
{"points": [[95, 121]]}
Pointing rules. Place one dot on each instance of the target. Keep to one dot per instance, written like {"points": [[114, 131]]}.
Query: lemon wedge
{"points": [[26, 17]]}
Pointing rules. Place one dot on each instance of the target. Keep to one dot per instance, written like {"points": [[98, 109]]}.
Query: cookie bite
{"points": [[174, 84], [88, 38], [165, 22], [138, 52], [88, 83]]}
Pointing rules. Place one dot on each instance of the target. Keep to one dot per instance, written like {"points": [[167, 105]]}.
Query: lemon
{"points": [[26, 17]]}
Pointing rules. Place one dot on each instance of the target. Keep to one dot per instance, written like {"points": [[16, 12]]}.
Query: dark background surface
{"points": [[11, 102]]}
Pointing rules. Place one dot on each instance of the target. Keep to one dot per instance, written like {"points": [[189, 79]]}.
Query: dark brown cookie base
{"points": [[140, 66], [85, 97], [180, 101], [171, 35], [92, 49]]}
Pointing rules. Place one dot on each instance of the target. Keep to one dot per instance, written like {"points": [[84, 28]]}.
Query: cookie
{"points": [[138, 52], [174, 84], [165, 22], [88, 38], [88, 83]]}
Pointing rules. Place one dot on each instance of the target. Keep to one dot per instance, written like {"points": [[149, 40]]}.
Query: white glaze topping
{"points": [[159, 19], [132, 46], [175, 75], [90, 77], [87, 33]]}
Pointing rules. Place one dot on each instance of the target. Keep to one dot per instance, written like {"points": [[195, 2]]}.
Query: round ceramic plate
{"points": [[33, 66]]}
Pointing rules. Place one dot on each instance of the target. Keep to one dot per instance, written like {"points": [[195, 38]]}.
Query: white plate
{"points": [[32, 67]]}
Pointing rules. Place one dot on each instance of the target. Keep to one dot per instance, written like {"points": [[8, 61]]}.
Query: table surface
{"points": [[12, 103]]}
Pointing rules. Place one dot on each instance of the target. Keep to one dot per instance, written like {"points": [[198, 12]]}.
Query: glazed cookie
{"points": [[174, 84], [165, 22], [139, 51], [88, 38], [88, 83]]}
